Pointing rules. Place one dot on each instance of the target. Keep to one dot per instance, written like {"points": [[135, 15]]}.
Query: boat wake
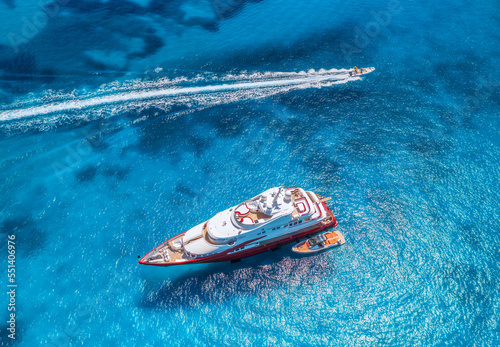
{"points": [[203, 90]]}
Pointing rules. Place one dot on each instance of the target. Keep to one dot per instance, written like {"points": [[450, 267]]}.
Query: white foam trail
{"points": [[168, 92]]}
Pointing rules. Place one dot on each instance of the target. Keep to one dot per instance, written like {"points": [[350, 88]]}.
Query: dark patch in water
{"points": [[284, 57], [114, 24], [96, 131], [184, 195], [165, 9], [12, 5], [116, 172], [367, 148], [123, 7], [297, 135], [228, 125], [471, 288], [29, 238], [137, 214], [229, 121], [199, 144], [433, 170], [47, 75], [168, 134], [5, 340], [186, 190], [471, 235], [210, 26], [428, 146], [20, 73], [22, 65], [207, 169], [314, 157], [449, 118], [162, 133], [115, 7], [94, 65], [152, 44], [225, 9], [86, 174], [460, 71], [468, 76]]}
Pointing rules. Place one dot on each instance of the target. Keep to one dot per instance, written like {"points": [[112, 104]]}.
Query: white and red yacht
{"points": [[269, 220]]}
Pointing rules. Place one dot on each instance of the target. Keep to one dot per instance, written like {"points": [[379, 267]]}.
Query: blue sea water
{"points": [[93, 174]]}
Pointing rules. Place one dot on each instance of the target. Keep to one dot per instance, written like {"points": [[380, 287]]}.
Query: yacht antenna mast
{"points": [[277, 194]]}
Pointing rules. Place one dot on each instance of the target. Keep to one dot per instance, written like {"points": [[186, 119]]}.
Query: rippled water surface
{"points": [[123, 123]]}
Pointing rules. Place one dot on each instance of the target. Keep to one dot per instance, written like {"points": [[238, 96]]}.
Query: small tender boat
{"points": [[320, 242], [360, 72]]}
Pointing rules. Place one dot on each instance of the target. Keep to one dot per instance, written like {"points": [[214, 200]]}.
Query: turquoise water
{"points": [[409, 154]]}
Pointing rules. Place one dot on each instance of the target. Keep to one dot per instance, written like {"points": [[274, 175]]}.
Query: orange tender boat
{"points": [[320, 242]]}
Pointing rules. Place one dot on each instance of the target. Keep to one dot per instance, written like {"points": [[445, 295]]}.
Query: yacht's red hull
{"points": [[225, 256]]}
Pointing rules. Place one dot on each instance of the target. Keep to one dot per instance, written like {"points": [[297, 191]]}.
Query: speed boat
{"points": [[265, 222], [355, 72], [320, 242]]}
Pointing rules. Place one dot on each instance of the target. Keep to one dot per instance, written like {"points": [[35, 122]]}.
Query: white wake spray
{"points": [[110, 99]]}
